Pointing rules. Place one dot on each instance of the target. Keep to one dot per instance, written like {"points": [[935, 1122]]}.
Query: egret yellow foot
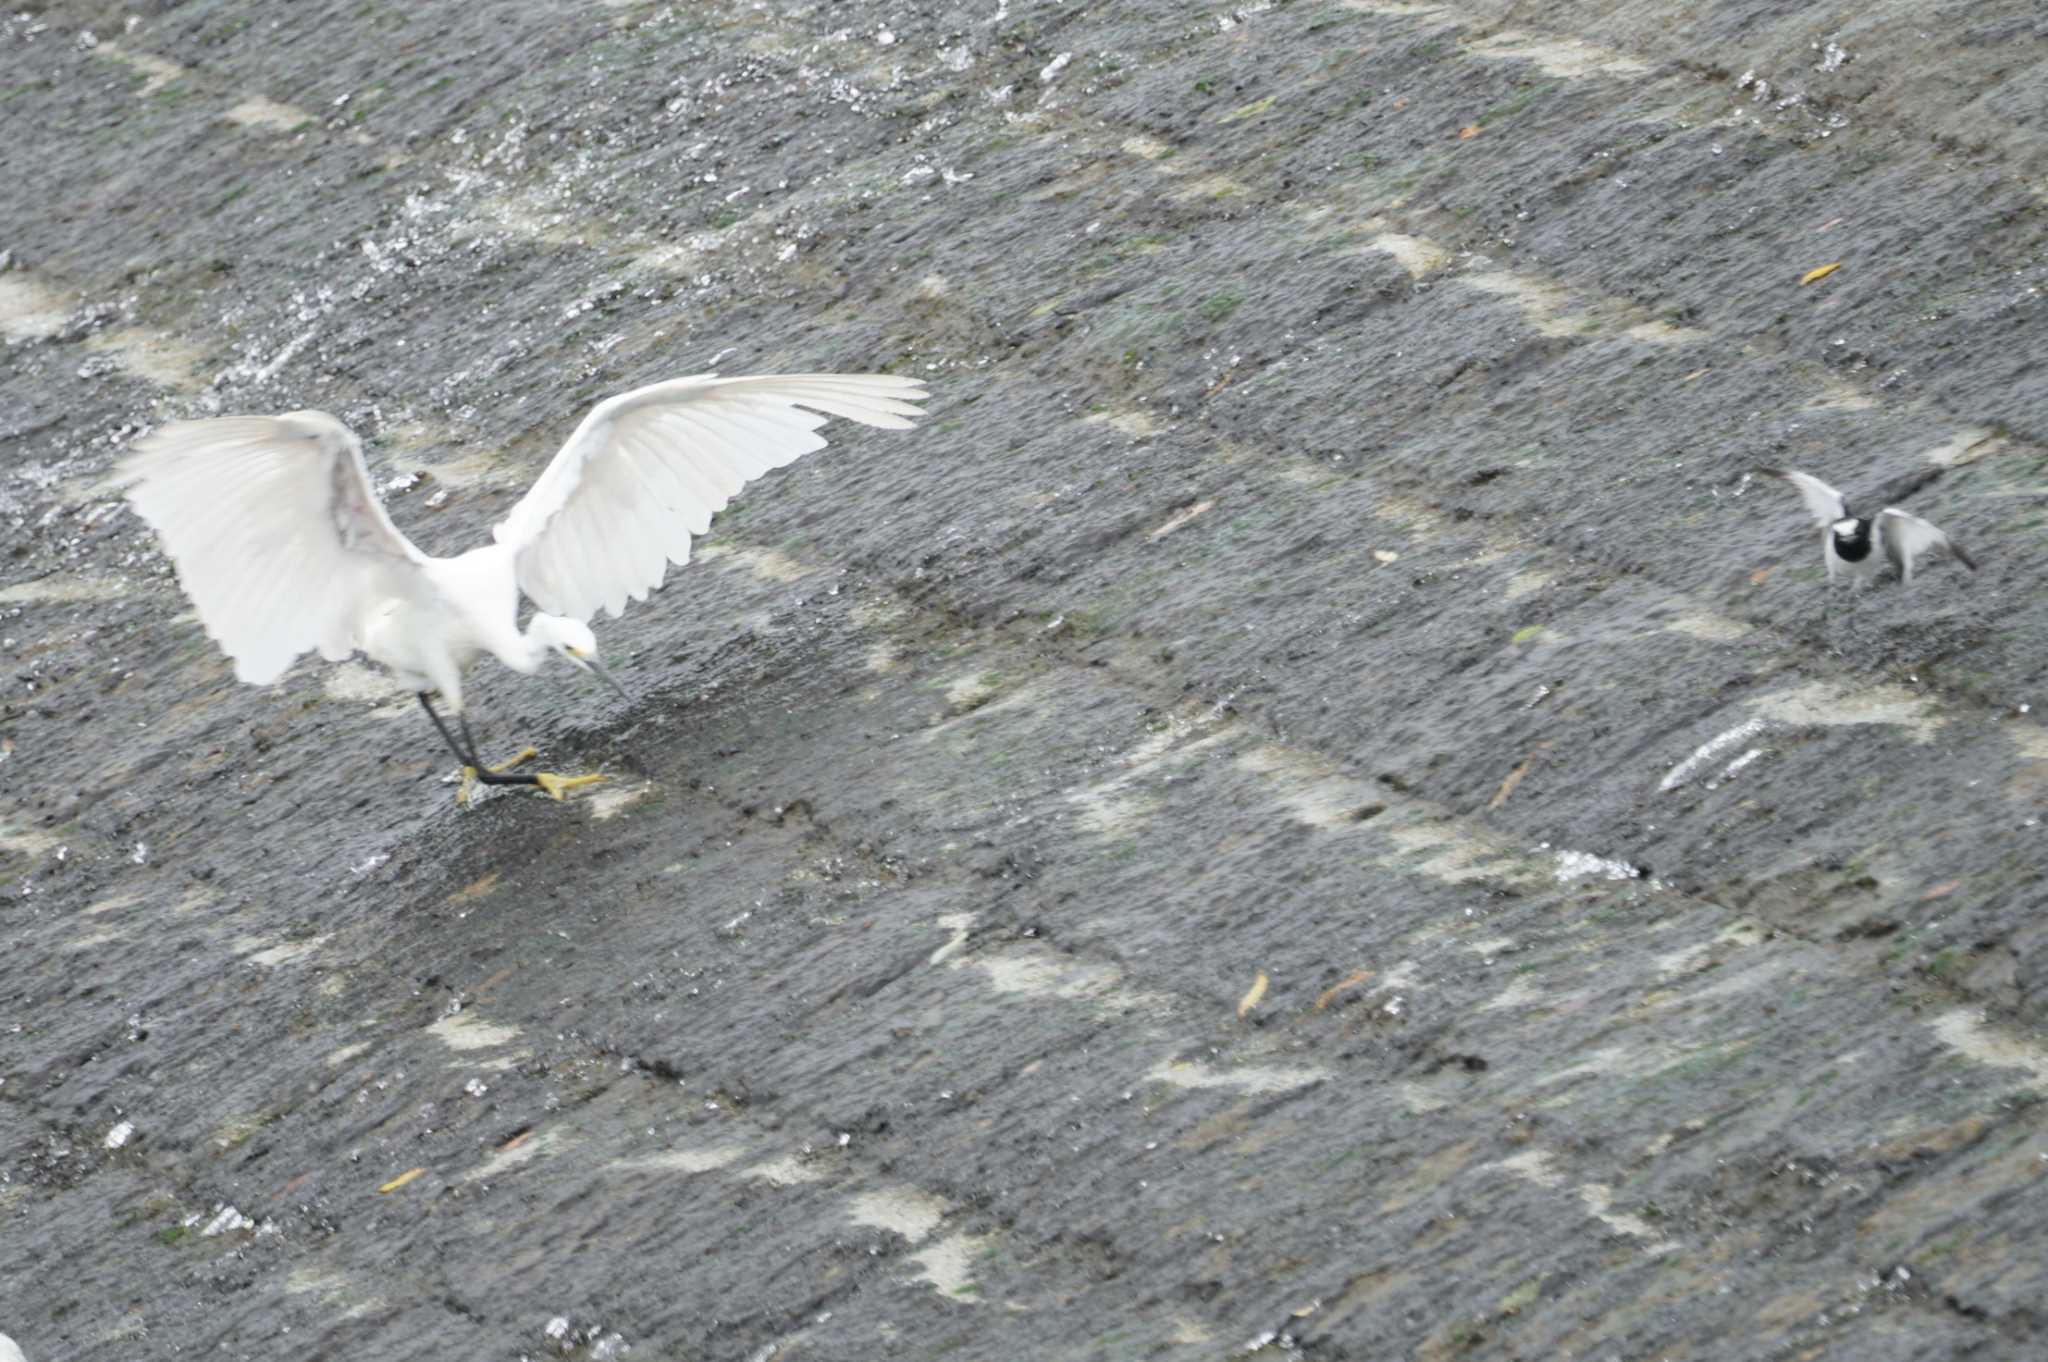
{"points": [[559, 786], [470, 775]]}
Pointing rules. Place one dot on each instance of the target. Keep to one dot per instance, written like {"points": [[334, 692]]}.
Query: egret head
{"points": [[573, 640]]}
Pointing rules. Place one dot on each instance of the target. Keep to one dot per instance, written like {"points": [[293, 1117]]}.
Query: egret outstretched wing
{"points": [[648, 469], [1906, 537], [1824, 503], [274, 530]]}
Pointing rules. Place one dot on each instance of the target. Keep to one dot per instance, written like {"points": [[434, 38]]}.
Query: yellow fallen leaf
{"points": [[1468, 132], [407, 1176], [1815, 275], [1251, 999], [1351, 980], [1385, 555], [1942, 890], [1697, 373], [475, 889], [1514, 778], [1757, 578]]}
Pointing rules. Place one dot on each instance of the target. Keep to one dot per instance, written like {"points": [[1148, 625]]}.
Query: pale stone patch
{"points": [[768, 564], [959, 924], [1546, 306], [685, 1160], [113, 903], [1249, 1078], [1555, 56], [260, 952], [969, 691], [1180, 518], [1598, 1199], [1965, 1032], [1212, 187], [1831, 704], [153, 357], [505, 1160], [609, 801], [1393, 9], [1417, 255], [464, 1031], [62, 589], [1533, 1165], [1966, 446], [1665, 333], [786, 1171], [949, 1265], [1838, 394], [21, 841], [1419, 1100], [908, 1211], [267, 115], [1137, 424], [159, 71], [29, 309], [1520, 992], [2030, 738], [1708, 626]]}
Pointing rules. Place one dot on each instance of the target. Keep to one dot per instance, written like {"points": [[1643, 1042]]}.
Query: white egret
{"points": [[282, 545]]}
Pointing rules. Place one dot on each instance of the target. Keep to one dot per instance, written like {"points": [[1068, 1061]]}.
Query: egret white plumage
{"points": [[281, 543], [1847, 539]]}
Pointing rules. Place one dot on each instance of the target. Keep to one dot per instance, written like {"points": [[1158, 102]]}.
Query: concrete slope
{"points": [[1320, 803]]}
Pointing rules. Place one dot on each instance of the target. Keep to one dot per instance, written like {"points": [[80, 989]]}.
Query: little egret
{"points": [[281, 543]]}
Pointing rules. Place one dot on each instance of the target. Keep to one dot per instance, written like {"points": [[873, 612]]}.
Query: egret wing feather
{"points": [[647, 470], [1823, 502], [1906, 536], [275, 532]]}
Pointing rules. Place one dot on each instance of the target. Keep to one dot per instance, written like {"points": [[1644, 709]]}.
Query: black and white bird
{"points": [[1850, 543]]}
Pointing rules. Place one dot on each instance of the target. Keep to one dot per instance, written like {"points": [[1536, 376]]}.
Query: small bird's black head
{"points": [[1852, 539]]}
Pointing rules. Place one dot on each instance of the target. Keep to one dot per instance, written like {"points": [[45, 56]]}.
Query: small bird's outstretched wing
{"points": [[275, 532], [1824, 503], [1906, 537], [648, 469]]}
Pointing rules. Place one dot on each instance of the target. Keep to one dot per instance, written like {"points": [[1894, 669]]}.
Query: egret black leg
{"points": [[468, 758], [462, 722], [471, 762], [473, 769]]}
